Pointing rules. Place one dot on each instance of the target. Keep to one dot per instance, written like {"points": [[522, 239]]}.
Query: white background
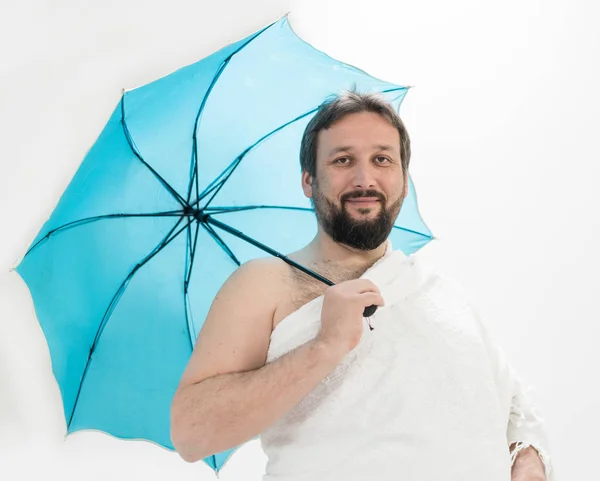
{"points": [[504, 124]]}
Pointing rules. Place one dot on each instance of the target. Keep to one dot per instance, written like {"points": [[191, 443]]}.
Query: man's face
{"points": [[359, 186]]}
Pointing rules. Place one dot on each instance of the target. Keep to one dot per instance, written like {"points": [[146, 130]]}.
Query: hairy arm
{"points": [[227, 394]]}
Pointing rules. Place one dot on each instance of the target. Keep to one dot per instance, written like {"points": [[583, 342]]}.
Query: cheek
{"points": [[393, 188], [335, 186]]}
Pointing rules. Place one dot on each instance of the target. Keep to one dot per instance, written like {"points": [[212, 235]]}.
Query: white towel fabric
{"points": [[425, 396]]}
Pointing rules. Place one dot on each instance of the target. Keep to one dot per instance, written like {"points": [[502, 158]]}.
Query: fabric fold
{"points": [[423, 388]]}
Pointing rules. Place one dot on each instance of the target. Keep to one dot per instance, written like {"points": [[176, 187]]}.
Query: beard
{"points": [[361, 234]]}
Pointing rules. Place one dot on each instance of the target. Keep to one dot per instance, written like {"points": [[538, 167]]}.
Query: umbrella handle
{"points": [[368, 312]]}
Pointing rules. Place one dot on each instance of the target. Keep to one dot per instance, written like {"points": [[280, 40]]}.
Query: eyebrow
{"points": [[348, 148]]}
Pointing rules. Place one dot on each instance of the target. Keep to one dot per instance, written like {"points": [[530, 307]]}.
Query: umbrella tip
{"points": [[15, 265], [285, 16]]}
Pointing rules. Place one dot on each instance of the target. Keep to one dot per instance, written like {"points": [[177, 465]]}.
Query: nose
{"points": [[364, 175]]}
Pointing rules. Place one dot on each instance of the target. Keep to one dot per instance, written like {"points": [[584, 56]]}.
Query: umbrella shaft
{"points": [[265, 248]]}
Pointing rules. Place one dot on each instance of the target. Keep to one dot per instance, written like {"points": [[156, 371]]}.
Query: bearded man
{"points": [[424, 395]]}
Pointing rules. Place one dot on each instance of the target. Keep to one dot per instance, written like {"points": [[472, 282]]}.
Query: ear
{"points": [[307, 181], [406, 185]]}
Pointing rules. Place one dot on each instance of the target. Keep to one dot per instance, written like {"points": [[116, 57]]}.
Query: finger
{"points": [[369, 298]]}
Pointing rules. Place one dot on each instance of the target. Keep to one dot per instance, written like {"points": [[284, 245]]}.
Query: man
{"points": [[423, 396]]}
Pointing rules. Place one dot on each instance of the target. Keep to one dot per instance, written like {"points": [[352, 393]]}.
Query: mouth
{"points": [[363, 201]]}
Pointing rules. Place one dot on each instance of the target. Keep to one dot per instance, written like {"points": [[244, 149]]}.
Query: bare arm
{"points": [[225, 411], [227, 394]]}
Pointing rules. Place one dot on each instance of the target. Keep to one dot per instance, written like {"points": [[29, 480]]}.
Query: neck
{"points": [[324, 249]]}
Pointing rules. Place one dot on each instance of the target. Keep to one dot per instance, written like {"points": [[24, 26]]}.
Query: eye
{"points": [[339, 160], [379, 157]]}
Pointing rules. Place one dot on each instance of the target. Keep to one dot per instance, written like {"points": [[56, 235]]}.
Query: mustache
{"points": [[363, 193]]}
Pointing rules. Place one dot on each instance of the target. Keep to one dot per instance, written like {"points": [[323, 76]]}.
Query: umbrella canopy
{"points": [[194, 174]]}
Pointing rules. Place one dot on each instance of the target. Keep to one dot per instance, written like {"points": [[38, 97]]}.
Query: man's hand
{"points": [[342, 313], [528, 466]]}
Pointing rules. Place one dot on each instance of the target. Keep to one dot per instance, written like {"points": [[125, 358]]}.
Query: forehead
{"points": [[359, 130]]}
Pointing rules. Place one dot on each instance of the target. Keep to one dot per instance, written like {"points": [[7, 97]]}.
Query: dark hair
{"points": [[336, 107]]}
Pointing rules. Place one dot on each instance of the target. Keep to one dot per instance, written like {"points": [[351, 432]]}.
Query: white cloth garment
{"points": [[425, 396]]}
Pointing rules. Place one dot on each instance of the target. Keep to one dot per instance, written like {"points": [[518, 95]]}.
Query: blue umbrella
{"points": [[194, 174]]}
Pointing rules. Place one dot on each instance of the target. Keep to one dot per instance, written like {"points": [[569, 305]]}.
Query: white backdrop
{"points": [[502, 119]]}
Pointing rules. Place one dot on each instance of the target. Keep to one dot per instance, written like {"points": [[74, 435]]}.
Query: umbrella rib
{"points": [[136, 152], [187, 276], [187, 319], [88, 220], [193, 256], [190, 268], [193, 172], [227, 210], [188, 250], [269, 250], [218, 184], [198, 116], [413, 232], [239, 158], [222, 243], [195, 242], [188, 245], [216, 76], [110, 309]]}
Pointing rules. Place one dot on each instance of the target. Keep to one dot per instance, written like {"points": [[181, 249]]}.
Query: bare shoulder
{"points": [[236, 333], [268, 268], [259, 279]]}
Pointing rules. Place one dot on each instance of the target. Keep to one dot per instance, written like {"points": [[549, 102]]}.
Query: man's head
{"points": [[354, 157]]}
